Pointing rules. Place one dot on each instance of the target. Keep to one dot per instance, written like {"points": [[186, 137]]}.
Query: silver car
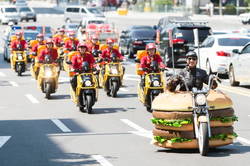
{"points": [[26, 13], [9, 14], [239, 66]]}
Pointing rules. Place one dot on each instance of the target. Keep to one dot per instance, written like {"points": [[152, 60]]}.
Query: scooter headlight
{"points": [[200, 99], [87, 83], [156, 83], [20, 57], [48, 73], [114, 70]]}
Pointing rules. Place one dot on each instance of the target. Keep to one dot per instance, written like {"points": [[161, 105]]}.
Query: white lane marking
{"points": [[124, 89], [133, 125], [243, 140], [234, 90], [13, 83], [60, 125], [2, 74], [101, 160], [3, 140], [32, 98]]}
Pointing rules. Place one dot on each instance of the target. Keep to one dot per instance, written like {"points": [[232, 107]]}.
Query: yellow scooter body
{"points": [[18, 56], [110, 72], [49, 73], [81, 86], [144, 92]]}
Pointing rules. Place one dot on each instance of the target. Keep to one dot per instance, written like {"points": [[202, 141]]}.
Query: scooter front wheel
{"points": [[47, 90], [203, 139], [114, 89], [89, 104]]}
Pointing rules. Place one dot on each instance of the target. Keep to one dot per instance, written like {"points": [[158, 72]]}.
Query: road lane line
{"points": [[2, 74], [234, 90], [243, 140], [32, 99], [60, 125], [13, 83], [124, 89], [133, 125], [100, 159], [3, 140]]}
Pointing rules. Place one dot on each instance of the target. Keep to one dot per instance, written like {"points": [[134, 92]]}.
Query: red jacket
{"points": [[15, 43], [58, 40], [92, 47], [108, 52], [146, 61], [70, 44], [78, 59], [35, 47], [52, 53]]}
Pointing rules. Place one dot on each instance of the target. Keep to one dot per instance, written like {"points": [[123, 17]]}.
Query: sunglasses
{"points": [[194, 59]]}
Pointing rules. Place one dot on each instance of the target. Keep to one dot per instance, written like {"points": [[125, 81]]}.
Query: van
{"points": [[79, 13], [9, 14]]}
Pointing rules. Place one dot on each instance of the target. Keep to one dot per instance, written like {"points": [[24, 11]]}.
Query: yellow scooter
{"points": [[153, 85], [111, 76], [19, 62], [47, 79], [86, 92]]}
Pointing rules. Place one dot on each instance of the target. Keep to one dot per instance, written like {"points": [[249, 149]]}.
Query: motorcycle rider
{"points": [[18, 44], [193, 76], [40, 42], [80, 56], [145, 62], [81, 35], [94, 43], [106, 53], [49, 50], [71, 43], [59, 38]]}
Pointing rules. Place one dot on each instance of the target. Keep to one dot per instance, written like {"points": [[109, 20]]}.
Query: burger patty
{"points": [[190, 134], [187, 115]]}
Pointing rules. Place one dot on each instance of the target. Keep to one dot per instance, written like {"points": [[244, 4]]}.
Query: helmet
{"points": [[49, 41], [82, 45], [19, 33], [61, 30], [109, 41], [150, 46], [40, 35], [72, 34], [191, 54], [94, 37]]}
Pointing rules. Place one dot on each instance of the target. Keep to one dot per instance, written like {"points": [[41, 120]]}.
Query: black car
{"points": [[182, 39], [136, 39]]}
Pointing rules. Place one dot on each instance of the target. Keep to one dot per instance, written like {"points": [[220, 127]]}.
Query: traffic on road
{"points": [[87, 88]]}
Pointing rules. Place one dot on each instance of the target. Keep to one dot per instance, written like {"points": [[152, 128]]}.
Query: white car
{"points": [[216, 50], [239, 66], [245, 18]]}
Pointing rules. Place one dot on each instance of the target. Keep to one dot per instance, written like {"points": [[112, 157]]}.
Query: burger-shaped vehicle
{"points": [[193, 119]]}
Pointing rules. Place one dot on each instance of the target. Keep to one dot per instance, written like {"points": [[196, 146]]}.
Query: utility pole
{"points": [[237, 7], [220, 7]]}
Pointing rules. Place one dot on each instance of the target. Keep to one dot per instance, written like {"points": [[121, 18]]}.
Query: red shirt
{"points": [[70, 44], [108, 52], [15, 43], [92, 47], [35, 47], [52, 52], [58, 40], [78, 59], [146, 61]]}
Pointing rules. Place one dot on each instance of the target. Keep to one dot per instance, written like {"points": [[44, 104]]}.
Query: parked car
{"points": [[182, 40], [135, 40], [21, 3], [26, 13], [245, 18], [71, 27], [78, 13], [9, 14], [239, 66], [216, 50], [28, 35], [46, 30]]}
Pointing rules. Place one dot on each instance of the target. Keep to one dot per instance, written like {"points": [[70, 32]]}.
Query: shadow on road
{"points": [[108, 110], [236, 148], [128, 95], [32, 143], [59, 97]]}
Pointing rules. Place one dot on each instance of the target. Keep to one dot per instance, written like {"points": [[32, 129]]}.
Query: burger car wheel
{"points": [[232, 80], [203, 140]]}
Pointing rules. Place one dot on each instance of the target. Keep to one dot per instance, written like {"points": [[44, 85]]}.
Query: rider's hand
{"points": [[214, 85]]}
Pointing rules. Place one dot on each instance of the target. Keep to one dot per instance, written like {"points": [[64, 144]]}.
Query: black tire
{"points": [[89, 101], [34, 20], [232, 77], [150, 100], [19, 70], [81, 108], [114, 88], [203, 139], [68, 20], [47, 90], [130, 53], [208, 68]]}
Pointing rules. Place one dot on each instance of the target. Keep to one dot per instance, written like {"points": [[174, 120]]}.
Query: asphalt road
{"points": [[39, 132]]}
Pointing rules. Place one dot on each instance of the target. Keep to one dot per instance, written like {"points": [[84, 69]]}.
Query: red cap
{"points": [[94, 37], [109, 41], [19, 33], [61, 30], [150, 46], [82, 45], [40, 35], [49, 41]]}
